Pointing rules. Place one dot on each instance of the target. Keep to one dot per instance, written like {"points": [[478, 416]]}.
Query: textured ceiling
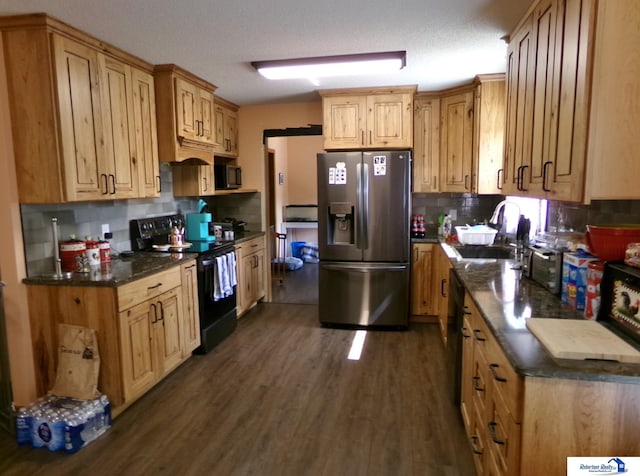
{"points": [[447, 41]]}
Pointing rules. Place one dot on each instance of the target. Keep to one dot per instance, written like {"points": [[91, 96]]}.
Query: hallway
{"points": [[279, 397], [298, 287]]}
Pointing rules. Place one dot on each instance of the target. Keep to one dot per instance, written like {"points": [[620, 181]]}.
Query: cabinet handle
{"points": [[475, 381], [518, 177], [474, 440], [492, 368], [544, 176], [522, 182], [370, 137], [492, 432], [113, 184], [362, 137], [159, 187], [161, 311], [189, 267], [154, 286], [205, 186], [106, 184], [478, 334], [466, 311], [499, 184], [155, 314], [443, 283], [466, 182], [465, 336], [435, 182]]}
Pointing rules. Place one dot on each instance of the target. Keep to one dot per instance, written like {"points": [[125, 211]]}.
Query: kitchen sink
{"points": [[485, 252]]}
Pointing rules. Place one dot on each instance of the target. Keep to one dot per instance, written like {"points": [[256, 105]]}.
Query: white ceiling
{"points": [[447, 41]]}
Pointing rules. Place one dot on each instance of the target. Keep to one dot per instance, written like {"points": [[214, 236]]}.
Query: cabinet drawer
{"points": [[504, 379], [503, 434], [147, 288]]}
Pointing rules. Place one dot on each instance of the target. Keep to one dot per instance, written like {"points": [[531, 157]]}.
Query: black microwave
{"points": [[227, 176]]}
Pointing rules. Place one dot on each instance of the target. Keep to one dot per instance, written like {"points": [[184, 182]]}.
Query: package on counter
{"points": [[62, 423], [574, 279]]}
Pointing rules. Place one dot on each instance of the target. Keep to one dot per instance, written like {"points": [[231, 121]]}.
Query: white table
{"points": [[293, 225]]}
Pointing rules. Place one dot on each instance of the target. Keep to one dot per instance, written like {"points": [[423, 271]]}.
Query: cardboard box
{"points": [[574, 279]]}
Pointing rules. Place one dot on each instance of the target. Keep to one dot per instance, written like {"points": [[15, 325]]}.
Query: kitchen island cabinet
{"points": [[142, 326], [517, 401], [368, 118], [72, 104]]}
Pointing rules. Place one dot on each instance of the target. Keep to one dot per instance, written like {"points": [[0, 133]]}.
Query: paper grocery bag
{"points": [[78, 363]]}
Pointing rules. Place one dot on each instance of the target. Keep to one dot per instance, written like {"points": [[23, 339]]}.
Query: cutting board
{"points": [[581, 339]]}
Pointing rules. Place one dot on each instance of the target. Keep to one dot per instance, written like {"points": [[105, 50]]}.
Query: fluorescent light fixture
{"points": [[356, 345], [323, 66]]}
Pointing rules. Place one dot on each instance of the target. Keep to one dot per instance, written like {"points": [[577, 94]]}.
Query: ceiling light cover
{"points": [[324, 66]]}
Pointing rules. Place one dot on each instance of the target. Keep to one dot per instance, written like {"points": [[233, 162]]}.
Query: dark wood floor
{"points": [[297, 287], [280, 397]]}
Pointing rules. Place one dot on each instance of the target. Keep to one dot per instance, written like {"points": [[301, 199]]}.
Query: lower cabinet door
{"points": [[168, 330], [138, 366]]}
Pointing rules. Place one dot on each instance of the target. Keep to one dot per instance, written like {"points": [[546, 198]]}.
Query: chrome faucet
{"points": [[495, 218]]}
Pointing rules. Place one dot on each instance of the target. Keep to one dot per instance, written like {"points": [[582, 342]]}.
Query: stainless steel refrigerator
{"points": [[363, 232]]}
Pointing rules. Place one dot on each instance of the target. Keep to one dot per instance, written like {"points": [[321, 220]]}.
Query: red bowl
{"points": [[609, 243]]}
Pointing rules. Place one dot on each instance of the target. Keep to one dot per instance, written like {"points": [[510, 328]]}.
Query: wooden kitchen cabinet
{"points": [[441, 291], [250, 257], [151, 341], [226, 135], [426, 143], [491, 398], [72, 103], [423, 299], [456, 141], [191, 308], [459, 137], [568, 110], [146, 132], [192, 180], [185, 115], [368, 118], [145, 329]]}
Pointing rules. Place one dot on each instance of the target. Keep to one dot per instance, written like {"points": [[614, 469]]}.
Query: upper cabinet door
{"points": [[206, 117], [389, 121], [519, 104], [456, 145], [80, 113], [146, 135], [187, 109], [344, 122], [120, 163], [426, 149]]}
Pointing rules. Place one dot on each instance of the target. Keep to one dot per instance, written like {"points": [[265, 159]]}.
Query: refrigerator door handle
{"points": [[362, 269], [360, 210], [365, 208]]}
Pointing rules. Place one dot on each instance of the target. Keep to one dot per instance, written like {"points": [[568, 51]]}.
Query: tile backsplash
{"points": [[85, 219], [470, 208], [564, 216]]}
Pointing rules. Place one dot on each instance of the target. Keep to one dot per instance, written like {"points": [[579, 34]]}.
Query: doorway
{"points": [[290, 179]]}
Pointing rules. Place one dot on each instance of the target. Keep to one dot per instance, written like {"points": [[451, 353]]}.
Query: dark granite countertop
{"points": [[120, 271], [123, 269], [506, 300]]}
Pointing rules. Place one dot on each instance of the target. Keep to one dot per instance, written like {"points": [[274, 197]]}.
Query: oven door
{"points": [[218, 317]]}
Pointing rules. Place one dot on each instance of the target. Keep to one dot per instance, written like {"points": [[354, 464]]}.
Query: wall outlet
{"points": [[453, 214], [104, 229]]}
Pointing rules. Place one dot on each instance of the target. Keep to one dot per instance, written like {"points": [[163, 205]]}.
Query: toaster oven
{"points": [[620, 299], [544, 266]]}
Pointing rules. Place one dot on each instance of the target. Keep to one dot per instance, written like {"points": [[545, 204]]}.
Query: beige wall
{"points": [[12, 262], [253, 120]]}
